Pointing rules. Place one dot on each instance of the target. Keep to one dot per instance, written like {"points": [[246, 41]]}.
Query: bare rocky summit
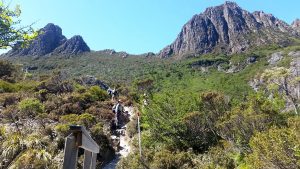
{"points": [[75, 45], [229, 29], [51, 41], [296, 25]]}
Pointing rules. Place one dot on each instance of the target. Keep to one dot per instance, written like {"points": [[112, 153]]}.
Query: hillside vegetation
{"points": [[226, 95], [196, 113], [35, 118], [202, 117]]}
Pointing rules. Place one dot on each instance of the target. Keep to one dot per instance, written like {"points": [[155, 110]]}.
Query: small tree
{"points": [[11, 33]]}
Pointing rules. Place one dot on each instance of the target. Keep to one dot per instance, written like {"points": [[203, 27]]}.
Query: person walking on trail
{"points": [[109, 91], [113, 93], [118, 109]]}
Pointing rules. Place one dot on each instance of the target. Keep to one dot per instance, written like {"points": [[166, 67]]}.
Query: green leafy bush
{"points": [[97, 94], [31, 107], [256, 113], [169, 160], [276, 148], [7, 87], [197, 134], [62, 129], [92, 94], [85, 119]]}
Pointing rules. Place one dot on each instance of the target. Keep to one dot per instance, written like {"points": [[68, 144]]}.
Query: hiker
{"points": [[118, 109], [109, 91], [113, 93]]}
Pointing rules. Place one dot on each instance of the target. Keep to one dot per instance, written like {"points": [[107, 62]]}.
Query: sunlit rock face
{"points": [[229, 29], [51, 41]]}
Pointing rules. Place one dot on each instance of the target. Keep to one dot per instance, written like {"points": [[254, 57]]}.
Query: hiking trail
{"points": [[124, 147]]}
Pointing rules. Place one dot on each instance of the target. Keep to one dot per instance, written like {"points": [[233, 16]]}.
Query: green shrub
{"points": [[27, 86], [79, 88], [97, 94], [31, 107], [256, 113], [7, 87], [70, 119], [87, 120], [15, 87], [92, 94], [276, 148], [164, 115], [62, 129], [106, 150], [169, 160], [197, 133]]}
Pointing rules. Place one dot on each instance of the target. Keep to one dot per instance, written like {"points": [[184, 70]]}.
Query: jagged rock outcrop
{"points": [[75, 45], [227, 28], [51, 41], [296, 25], [50, 38]]}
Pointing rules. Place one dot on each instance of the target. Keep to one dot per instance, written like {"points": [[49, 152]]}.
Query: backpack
{"points": [[115, 93]]}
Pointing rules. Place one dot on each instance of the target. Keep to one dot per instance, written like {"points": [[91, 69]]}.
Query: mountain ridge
{"points": [[51, 41], [228, 28]]}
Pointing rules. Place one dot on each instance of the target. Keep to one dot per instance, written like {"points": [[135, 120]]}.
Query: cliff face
{"points": [[227, 28], [51, 41]]}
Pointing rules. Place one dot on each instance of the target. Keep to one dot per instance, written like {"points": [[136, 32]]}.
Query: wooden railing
{"points": [[80, 138]]}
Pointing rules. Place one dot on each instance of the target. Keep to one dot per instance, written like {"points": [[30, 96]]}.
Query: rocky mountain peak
{"points": [[74, 45], [52, 28], [51, 41], [229, 29], [50, 38]]}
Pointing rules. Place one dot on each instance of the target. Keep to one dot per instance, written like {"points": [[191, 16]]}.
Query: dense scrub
{"points": [[35, 119], [210, 130], [196, 113], [208, 118]]}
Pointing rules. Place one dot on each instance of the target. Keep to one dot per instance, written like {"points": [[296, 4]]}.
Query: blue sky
{"points": [[134, 26]]}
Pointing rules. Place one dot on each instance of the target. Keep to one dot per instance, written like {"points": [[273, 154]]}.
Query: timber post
{"points": [[80, 138]]}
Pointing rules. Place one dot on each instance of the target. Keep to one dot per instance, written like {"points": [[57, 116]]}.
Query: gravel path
{"points": [[124, 143]]}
